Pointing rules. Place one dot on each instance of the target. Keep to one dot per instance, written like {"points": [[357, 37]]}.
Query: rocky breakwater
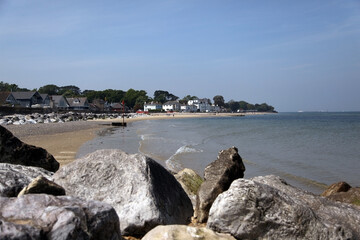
{"points": [[268, 208], [143, 193], [218, 176], [44, 216], [14, 151], [35, 118]]}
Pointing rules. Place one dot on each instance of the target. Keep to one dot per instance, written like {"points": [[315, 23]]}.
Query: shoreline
{"points": [[63, 140]]}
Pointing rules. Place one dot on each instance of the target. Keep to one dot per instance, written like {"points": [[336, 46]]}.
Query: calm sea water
{"points": [[309, 150]]}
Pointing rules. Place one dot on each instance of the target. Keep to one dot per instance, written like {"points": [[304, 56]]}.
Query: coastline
{"points": [[63, 140]]}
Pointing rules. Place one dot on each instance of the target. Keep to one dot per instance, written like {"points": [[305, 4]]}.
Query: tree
{"points": [[6, 87], [131, 97], [264, 107], [164, 96], [187, 98], [70, 90], [250, 106], [243, 105], [219, 100], [50, 89], [233, 105]]}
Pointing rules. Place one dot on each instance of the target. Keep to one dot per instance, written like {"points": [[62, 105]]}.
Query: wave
{"points": [[173, 164]]}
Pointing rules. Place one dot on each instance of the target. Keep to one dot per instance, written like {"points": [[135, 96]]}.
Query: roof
{"points": [[77, 101], [57, 98], [3, 97], [23, 95], [44, 95], [116, 105], [171, 103]]}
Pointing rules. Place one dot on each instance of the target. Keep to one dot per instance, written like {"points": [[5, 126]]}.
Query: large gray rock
{"points": [[268, 208], [218, 176], [40, 216], [13, 178], [181, 232], [191, 182], [14, 151], [143, 193]]}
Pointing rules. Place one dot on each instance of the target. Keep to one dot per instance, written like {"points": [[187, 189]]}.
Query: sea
{"points": [[310, 150]]}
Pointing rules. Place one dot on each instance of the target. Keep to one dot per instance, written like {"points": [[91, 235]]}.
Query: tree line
{"points": [[135, 99]]}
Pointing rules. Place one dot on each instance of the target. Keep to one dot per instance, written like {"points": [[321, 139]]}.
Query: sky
{"points": [[293, 55]]}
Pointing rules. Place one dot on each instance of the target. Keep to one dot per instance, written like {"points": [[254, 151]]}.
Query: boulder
{"points": [[335, 188], [181, 232], [218, 176], [143, 193], [43, 185], [352, 196], [191, 182], [41, 216], [14, 151], [268, 208], [13, 178]]}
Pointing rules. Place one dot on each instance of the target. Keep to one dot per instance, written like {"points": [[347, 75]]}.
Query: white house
{"points": [[188, 108], [202, 105], [171, 106], [153, 106]]}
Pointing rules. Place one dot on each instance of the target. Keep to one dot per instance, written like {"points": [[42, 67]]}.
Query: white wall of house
{"points": [[171, 106], [152, 106]]}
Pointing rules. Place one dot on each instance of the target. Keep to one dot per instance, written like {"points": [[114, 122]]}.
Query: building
{"points": [[46, 100], [78, 103], [171, 106], [59, 102], [188, 108], [4, 98], [25, 99], [118, 107], [202, 105], [153, 106]]}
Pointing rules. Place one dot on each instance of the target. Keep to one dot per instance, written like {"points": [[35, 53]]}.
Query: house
{"points": [[4, 98], [98, 105], [118, 107], [25, 99], [153, 106], [202, 105], [59, 102], [78, 103], [188, 108], [171, 106], [46, 100]]}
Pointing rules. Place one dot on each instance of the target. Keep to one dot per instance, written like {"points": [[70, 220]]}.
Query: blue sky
{"points": [[294, 55]]}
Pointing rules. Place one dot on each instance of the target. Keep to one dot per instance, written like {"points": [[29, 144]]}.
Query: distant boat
{"points": [[300, 111]]}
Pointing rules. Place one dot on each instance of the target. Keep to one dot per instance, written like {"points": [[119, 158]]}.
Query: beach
{"points": [[63, 140]]}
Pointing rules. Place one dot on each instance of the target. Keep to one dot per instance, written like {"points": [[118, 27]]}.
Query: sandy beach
{"points": [[63, 140]]}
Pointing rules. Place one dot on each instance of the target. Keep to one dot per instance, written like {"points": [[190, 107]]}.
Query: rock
{"points": [[13, 178], [143, 193], [335, 188], [352, 196], [180, 232], [218, 176], [43, 185], [268, 208], [13, 151], [11, 231], [41, 216], [190, 181]]}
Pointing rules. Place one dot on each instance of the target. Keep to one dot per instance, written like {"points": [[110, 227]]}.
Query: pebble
{"points": [[36, 118]]}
